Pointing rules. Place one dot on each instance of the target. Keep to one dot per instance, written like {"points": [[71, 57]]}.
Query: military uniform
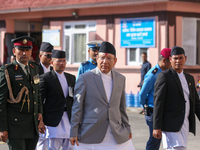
{"points": [[86, 66], [20, 118], [90, 64], [146, 98]]}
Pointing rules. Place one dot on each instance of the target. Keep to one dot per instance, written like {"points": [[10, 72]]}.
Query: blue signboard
{"points": [[137, 32]]}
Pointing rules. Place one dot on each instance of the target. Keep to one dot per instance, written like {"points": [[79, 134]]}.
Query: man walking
{"points": [[99, 120], [91, 63], [20, 101], [44, 67], [56, 89], [146, 95], [175, 103], [45, 57]]}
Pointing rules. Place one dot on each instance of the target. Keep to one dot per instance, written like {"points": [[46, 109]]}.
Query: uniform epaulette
{"points": [[6, 66], [154, 71], [85, 62], [32, 64]]}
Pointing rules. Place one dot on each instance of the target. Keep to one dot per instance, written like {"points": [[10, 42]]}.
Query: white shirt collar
{"points": [[22, 65], [45, 68], [105, 74], [61, 75], [180, 74]]}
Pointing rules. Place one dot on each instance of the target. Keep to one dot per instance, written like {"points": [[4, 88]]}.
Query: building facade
{"points": [[132, 26]]}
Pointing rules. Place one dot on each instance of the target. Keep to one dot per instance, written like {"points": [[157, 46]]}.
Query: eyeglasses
{"points": [[103, 58], [48, 55]]}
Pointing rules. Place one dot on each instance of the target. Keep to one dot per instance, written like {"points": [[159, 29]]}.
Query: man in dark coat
{"points": [[175, 103], [146, 95], [44, 66], [56, 88], [20, 101]]}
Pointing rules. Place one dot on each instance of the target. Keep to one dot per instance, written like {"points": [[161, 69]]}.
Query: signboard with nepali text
{"points": [[137, 32]]}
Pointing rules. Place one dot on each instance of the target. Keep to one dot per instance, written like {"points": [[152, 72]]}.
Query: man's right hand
{"points": [[4, 136], [157, 133], [74, 140]]}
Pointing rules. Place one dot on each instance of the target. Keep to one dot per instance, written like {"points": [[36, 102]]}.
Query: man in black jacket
{"points": [[56, 88], [175, 103], [45, 57], [44, 66]]}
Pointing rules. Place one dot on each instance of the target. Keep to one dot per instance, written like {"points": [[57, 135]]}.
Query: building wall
{"points": [[169, 30]]}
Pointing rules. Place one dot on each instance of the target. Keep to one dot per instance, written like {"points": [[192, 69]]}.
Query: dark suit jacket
{"points": [[169, 102], [53, 97], [41, 70]]}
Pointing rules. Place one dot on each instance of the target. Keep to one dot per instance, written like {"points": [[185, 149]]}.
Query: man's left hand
{"points": [[3, 136], [130, 136], [41, 127], [157, 133]]}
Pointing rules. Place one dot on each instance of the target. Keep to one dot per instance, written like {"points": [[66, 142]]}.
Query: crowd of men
{"points": [[42, 107]]}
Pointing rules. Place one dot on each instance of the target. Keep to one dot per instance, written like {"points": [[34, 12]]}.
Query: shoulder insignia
{"points": [[85, 62], [31, 66], [94, 63], [16, 67], [6, 66], [154, 71]]}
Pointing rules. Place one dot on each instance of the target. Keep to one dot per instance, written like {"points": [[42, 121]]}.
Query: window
{"points": [[67, 27], [134, 56], [198, 44], [81, 26], [76, 35], [191, 40], [79, 47]]}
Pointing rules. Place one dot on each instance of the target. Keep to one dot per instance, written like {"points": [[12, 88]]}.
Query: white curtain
{"points": [[79, 47], [67, 40]]}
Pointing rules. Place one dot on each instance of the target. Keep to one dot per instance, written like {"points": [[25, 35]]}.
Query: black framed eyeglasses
{"points": [[48, 55]]}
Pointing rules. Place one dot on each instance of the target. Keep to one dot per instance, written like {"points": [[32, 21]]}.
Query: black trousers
{"points": [[22, 144]]}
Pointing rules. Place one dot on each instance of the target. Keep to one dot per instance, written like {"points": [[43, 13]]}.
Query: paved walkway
{"points": [[141, 133]]}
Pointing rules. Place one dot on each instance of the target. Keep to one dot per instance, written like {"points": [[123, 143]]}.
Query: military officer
{"points": [[20, 100], [93, 49]]}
